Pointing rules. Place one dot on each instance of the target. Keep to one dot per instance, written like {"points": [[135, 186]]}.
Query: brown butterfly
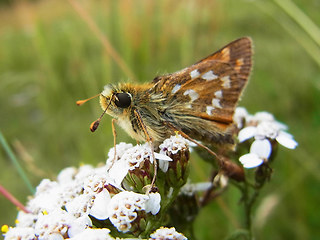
{"points": [[198, 101]]}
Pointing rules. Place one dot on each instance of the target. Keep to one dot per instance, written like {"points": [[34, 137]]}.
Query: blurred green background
{"points": [[50, 57]]}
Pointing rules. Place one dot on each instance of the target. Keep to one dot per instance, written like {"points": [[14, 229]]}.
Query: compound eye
{"points": [[122, 100]]}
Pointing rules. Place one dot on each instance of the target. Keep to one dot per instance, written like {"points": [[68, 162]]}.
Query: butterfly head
{"points": [[114, 101]]}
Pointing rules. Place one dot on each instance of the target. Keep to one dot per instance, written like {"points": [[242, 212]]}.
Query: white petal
{"points": [[250, 160], [118, 171], [99, 209], [93, 233], [79, 225], [55, 236], [286, 140], [281, 125], [264, 116], [153, 203], [262, 148], [162, 157], [247, 133], [164, 165], [164, 161]]}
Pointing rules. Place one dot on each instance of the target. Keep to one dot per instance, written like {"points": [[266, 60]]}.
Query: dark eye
{"points": [[123, 100]]}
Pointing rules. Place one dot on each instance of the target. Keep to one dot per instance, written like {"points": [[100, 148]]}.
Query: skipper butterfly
{"points": [[198, 101]]}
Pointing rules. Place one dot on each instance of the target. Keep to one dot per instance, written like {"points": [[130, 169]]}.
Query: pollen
{"points": [[226, 83], [209, 76], [194, 74], [5, 228], [192, 94]]}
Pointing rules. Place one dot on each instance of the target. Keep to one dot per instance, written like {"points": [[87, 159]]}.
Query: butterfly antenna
{"points": [[94, 125], [80, 102]]}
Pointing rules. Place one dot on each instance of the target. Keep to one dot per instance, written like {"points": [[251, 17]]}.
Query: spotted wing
{"points": [[211, 88]]}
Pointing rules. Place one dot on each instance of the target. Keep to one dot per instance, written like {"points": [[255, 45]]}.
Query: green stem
{"points": [[247, 207], [163, 210], [16, 163]]}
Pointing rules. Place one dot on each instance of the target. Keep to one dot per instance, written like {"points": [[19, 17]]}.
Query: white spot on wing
{"points": [[192, 94], [218, 94], [226, 81], [216, 103], [209, 76], [209, 110], [194, 74], [176, 88]]}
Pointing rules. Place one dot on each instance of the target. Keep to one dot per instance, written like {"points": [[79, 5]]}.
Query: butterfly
{"points": [[198, 101]]}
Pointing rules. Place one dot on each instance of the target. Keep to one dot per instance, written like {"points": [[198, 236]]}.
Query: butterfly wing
{"points": [[208, 90]]}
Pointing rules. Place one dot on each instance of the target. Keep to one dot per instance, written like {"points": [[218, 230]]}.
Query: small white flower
{"points": [[261, 117], [167, 233], [99, 209], [57, 222], [286, 140], [132, 158], [94, 183], [120, 150], [20, 233], [79, 225], [260, 151], [271, 130], [48, 201], [190, 189], [79, 205], [264, 128], [66, 175], [83, 172], [25, 220], [169, 146], [247, 133], [124, 208], [95, 233], [117, 172], [153, 203], [240, 116], [173, 144]]}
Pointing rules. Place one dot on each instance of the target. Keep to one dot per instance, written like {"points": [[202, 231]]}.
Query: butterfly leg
{"points": [[231, 169], [114, 133], [114, 138], [150, 142], [220, 162]]}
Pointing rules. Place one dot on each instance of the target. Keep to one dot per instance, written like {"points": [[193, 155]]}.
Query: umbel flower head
{"points": [[99, 202]]}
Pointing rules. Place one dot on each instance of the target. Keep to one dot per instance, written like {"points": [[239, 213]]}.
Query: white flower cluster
{"points": [[129, 159], [264, 129], [172, 145], [125, 205], [62, 209], [167, 233]]}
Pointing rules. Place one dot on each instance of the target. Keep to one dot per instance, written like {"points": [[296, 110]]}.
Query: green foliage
{"points": [[49, 58]]}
